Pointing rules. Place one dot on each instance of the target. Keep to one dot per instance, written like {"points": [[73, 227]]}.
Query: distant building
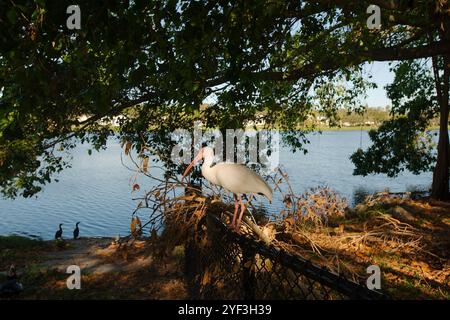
{"points": [[82, 118], [323, 120]]}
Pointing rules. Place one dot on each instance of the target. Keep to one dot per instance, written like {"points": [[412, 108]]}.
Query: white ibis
{"points": [[233, 177]]}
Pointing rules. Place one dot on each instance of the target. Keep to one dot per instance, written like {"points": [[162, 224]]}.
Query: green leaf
{"points": [[12, 15]]}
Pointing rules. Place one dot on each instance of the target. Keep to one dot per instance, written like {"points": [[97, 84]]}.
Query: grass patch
{"points": [[20, 250], [19, 242]]}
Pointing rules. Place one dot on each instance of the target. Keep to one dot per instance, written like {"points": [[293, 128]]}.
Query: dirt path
{"points": [[93, 255], [108, 271]]}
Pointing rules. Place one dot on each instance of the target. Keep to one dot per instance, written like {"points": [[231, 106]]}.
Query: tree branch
{"points": [[84, 124], [394, 53]]}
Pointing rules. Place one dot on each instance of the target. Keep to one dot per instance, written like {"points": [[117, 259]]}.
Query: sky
{"points": [[375, 97], [381, 76]]}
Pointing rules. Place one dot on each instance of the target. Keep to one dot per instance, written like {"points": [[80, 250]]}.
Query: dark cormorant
{"points": [[58, 234], [76, 232], [11, 285]]}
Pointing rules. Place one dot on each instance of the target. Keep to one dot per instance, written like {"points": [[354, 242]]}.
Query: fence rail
{"points": [[221, 264]]}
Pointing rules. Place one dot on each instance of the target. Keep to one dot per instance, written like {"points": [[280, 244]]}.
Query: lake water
{"points": [[96, 189]]}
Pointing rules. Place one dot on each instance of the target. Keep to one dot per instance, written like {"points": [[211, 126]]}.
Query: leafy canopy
{"points": [[403, 142], [155, 62]]}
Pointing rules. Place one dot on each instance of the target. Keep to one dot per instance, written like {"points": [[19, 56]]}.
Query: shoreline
{"points": [[141, 272]]}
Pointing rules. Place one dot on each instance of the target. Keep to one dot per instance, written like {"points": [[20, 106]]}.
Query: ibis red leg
{"points": [[238, 223]]}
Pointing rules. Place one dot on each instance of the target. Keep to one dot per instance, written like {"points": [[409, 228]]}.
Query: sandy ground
{"points": [[108, 271], [93, 256]]}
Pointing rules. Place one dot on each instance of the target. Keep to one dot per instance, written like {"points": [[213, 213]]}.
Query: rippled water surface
{"points": [[96, 189]]}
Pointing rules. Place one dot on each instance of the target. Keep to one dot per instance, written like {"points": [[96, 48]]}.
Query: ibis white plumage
{"points": [[233, 177]]}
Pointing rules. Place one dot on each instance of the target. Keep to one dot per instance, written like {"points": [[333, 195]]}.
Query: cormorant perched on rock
{"points": [[76, 232], [11, 286], [58, 234]]}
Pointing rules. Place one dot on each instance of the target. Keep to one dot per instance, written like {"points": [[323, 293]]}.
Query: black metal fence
{"points": [[221, 264]]}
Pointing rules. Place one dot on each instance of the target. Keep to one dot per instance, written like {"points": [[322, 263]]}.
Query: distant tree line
{"points": [[367, 117]]}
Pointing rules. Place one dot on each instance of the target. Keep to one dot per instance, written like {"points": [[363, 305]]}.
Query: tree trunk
{"points": [[440, 187]]}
